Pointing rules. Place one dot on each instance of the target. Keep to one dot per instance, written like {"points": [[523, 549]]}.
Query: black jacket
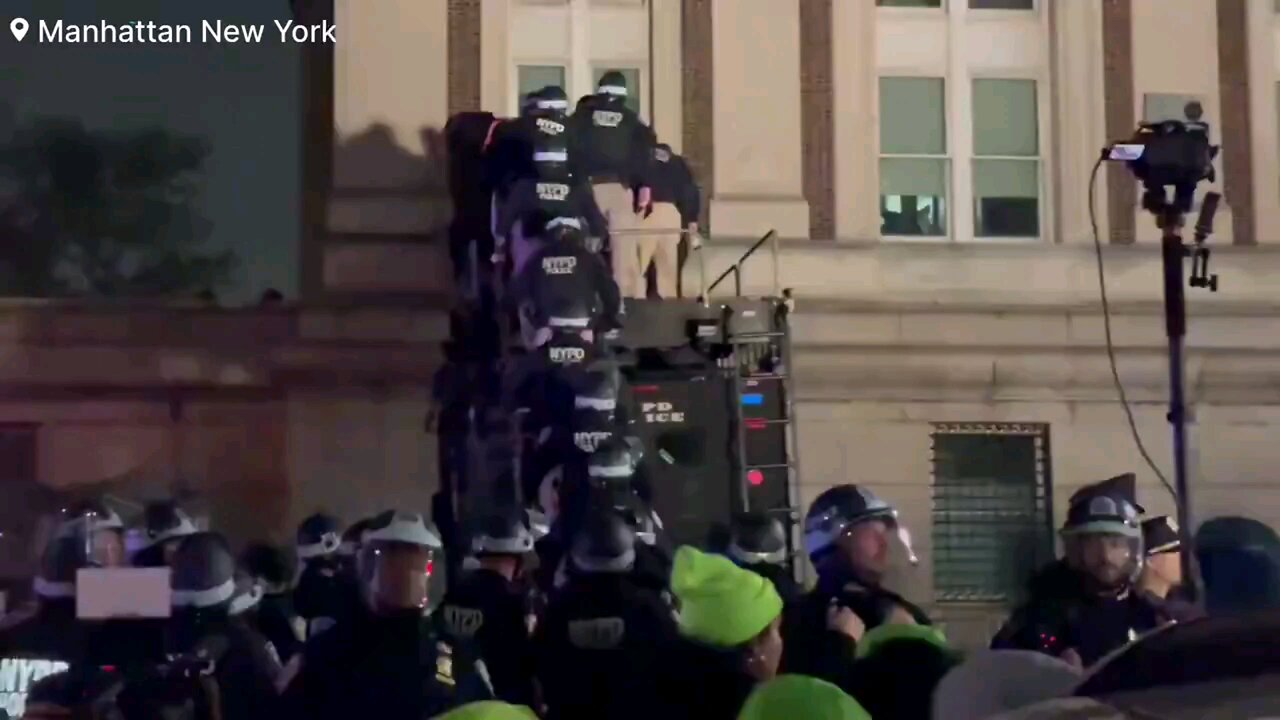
{"points": [[513, 143], [35, 644], [392, 668], [487, 611], [704, 683], [275, 618], [610, 142], [536, 201], [672, 182], [599, 649], [246, 671], [1060, 614], [564, 274], [811, 648], [324, 594]]}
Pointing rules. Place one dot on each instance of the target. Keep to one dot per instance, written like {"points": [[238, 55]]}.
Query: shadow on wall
{"points": [[373, 165]]}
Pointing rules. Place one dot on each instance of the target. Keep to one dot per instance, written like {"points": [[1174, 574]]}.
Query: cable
{"points": [[1106, 329]]}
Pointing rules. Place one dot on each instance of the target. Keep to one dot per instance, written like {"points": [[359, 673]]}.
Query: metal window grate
{"points": [[992, 509]]}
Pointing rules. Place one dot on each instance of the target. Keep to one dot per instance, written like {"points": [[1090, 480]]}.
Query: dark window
{"points": [[910, 3], [992, 514], [1002, 4]]}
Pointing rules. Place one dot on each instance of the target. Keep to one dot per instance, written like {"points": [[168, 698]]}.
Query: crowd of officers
{"points": [[594, 185], [623, 628]]}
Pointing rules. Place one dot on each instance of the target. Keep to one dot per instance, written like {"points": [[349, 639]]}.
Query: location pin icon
{"points": [[19, 28]]}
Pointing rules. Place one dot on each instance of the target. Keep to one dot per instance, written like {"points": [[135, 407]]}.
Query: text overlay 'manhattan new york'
{"points": [[209, 31]]}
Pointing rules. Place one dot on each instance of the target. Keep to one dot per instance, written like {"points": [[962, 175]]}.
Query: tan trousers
{"points": [[659, 243], [617, 204]]}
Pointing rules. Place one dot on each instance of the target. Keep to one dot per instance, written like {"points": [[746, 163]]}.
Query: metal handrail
{"points": [[735, 269]]}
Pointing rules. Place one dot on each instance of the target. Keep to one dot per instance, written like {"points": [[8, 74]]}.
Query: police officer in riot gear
{"points": [[848, 532], [47, 638], [204, 624], [564, 289], [322, 595], [165, 524], [488, 609], [758, 542], [1083, 606], [615, 150], [676, 204], [601, 639], [387, 660], [274, 617]]}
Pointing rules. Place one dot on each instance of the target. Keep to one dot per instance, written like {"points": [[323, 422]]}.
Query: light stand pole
{"points": [[1172, 253]]}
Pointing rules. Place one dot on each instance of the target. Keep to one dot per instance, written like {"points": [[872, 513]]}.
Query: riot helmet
{"points": [[502, 533], [530, 102], [612, 87], [203, 573], [267, 565], [598, 388], [552, 98], [606, 543], [396, 561], [165, 524], [757, 539], [610, 472], [1102, 538], [851, 526], [318, 536], [100, 532]]}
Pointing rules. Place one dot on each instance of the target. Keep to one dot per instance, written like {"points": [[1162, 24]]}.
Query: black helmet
{"points": [[564, 229], [613, 459], [165, 521], [203, 572], [502, 533], [530, 102], [318, 536], [266, 563], [613, 85], [597, 389], [553, 97], [605, 544], [836, 510], [757, 538]]}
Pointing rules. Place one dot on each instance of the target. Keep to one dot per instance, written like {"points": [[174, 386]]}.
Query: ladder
{"points": [[761, 361]]}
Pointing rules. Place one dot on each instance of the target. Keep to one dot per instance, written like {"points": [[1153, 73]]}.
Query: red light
{"points": [[756, 423], [431, 566], [644, 389], [755, 477]]}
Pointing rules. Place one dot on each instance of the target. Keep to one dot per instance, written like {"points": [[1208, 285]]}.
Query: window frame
{"points": [[1043, 492], [1040, 158], [948, 140]]}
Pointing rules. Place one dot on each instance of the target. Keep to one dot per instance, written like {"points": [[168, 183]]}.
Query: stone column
{"points": [[1078, 121], [666, 72], [756, 117], [856, 145]]}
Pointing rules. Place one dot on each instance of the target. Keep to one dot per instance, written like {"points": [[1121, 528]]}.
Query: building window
{"points": [[531, 78], [913, 157], [1006, 159], [634, 88], [1004, 4], [910, 3], [992, 510]]}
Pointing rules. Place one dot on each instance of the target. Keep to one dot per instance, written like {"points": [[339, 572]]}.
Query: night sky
{"points": [[243, 99]]}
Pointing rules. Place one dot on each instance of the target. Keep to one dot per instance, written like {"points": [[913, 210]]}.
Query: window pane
{"points": [[1005, 4], [914, 3], [1006, 198], [536, 77], [1158, 106], [913, 116], [632, 75], [1004, 118], [913, 196]]}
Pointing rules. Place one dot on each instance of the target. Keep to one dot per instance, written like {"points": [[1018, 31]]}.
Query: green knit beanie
{"points": [[720, 603], [800, 697], [489, 710], [880, 636]]}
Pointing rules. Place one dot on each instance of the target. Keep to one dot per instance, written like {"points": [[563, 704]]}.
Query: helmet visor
{"points": [[397, 576], [1111, 560]]}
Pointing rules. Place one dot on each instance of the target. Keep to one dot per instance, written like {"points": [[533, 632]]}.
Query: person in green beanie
{"points": [[897, 669], [800, 697], [489, 710], [729, 635]]}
